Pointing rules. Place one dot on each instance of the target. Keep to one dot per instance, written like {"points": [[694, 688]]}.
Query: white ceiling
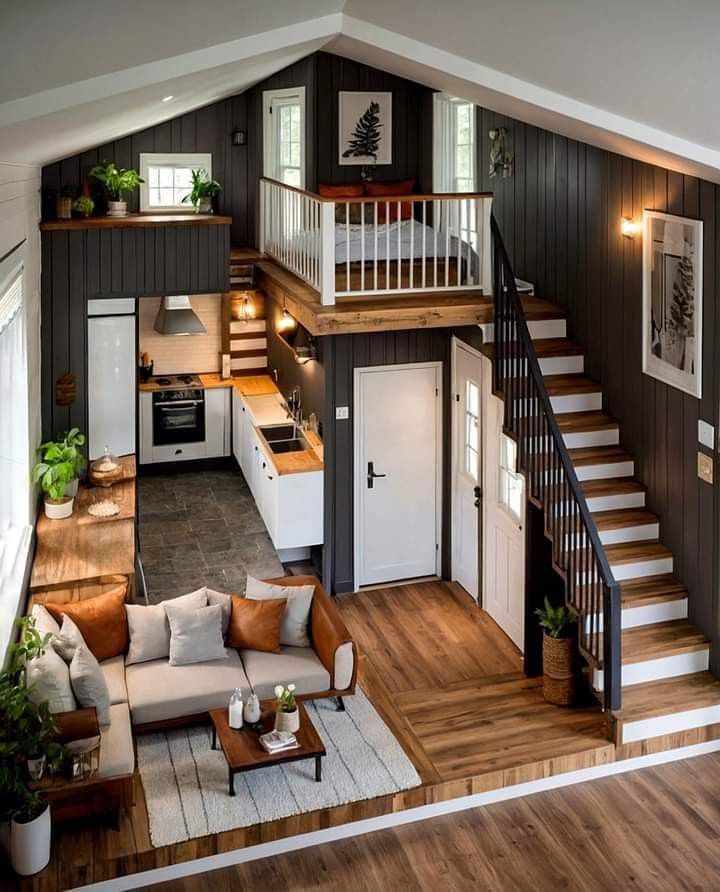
{"points": [[637, 76]]}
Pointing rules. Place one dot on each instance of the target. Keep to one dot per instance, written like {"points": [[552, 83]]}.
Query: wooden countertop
{"points": [[133, 221], [294, 462], [83, 547], [250, 385]]}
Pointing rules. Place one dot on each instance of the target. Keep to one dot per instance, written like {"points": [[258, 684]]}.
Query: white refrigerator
{"points": [[111, 376]]}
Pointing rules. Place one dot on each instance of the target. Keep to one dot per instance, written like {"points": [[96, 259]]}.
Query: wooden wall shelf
{"points": [[134, 221]]}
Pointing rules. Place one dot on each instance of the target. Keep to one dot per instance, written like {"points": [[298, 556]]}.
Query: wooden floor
{"points": [[448, 683], [659, 831]]}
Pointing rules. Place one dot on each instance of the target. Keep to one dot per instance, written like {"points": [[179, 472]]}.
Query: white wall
{"points": [[175, 355], [19, 217]]}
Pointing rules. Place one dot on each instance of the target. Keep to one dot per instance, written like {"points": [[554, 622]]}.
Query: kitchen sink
{"points": [[283, 438], [294, 445]]}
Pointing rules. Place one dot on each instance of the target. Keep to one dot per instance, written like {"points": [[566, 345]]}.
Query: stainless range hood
{"points": [[177, 317]]}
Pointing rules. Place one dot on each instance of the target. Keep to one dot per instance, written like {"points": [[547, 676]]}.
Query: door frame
{"points": [[359, 477], [455, 431]]}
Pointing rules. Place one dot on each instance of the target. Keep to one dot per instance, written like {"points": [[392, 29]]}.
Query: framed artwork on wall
{"points": [[365, 128], [672, 300]]}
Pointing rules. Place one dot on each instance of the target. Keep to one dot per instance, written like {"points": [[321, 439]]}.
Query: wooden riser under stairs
{"points": [[666, 685]]}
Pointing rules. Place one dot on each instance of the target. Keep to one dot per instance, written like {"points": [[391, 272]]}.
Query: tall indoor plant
{"points": [[58, 467], [117, 182], [202, 192], [27, 733], [559, 653]]}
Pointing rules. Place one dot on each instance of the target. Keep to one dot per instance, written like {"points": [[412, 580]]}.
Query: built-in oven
{"points": [[178, 417]]}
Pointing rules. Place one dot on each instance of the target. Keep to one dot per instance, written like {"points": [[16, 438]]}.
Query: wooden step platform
{"points": [[586, 456], [668, 695], [580, 422], [610, 486], [636, 552], [568, 385], [621, 518], [651, 590], [660, 640]]}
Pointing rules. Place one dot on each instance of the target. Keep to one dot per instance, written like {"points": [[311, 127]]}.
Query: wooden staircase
{"points": [[666, 685]]}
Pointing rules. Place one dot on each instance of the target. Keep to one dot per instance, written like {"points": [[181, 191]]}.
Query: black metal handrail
{"points": [[590, 587]]}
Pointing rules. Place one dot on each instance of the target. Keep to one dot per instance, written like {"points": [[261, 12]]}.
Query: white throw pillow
{"points": [[149, 629], [49, 680], [68, 640], [196, 635], [298, 598], [88, 683], [45, 622], [225, 603]]}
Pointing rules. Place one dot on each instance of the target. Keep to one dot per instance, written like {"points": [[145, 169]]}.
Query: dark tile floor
{"points": [[201, 528]]}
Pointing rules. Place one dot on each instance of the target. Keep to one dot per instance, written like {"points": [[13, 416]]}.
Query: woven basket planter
{"points": [[559, 670]]}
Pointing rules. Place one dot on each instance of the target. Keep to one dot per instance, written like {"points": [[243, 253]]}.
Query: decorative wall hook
{"points": [[501, 161]]}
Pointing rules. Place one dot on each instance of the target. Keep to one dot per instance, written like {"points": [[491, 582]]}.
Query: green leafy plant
{"points": [[202, 187], [57, 466], [73, 441], [27, 728], [285, 698], [557, 621], [117, 181], [84, 205]]}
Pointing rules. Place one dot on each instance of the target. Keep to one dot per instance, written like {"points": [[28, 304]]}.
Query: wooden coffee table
{"points": [[242, 749]]}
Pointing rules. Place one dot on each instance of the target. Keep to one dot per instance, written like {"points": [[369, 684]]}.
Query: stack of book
{"points": [[276, 741]]}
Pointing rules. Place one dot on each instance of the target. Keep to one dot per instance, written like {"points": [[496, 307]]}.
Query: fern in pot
{"points": [[202, 192], [559, 653], [118, 182]]}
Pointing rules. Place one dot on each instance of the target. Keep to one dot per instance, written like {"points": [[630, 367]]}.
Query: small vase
{"points": [[59, 510], [30, 844], [63, 207], [204, 206], [252, 711], [287, 721], [36, 768], [117, 209]]}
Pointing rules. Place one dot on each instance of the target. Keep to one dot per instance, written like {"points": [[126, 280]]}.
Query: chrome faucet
{"points": [[294, 406]]}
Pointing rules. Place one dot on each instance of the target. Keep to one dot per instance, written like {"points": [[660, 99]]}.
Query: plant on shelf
{"points": [[559, 653], [203, 191], [287, 715], [117, 182], [84, 205], [60, 463], [27, 735]]}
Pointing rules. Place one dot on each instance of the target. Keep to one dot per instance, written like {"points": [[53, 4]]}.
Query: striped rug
{"points": [[186, 782]]}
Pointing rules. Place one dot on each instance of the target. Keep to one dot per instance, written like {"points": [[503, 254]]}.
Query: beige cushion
{"points": [[48, 678], [158, 691], [344, 665], [149, 629], [195, 635], [88, 683], [117, 755], [68, 640], [298, 601], [45, 622], [225, 602], [299, 665], [114, 672]]}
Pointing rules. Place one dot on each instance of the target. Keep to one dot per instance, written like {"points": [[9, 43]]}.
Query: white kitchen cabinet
{"points": [[238, 417], [267, 493], [217, 422]]}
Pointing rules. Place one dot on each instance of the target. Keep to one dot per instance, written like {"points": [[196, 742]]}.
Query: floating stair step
{"points": [[599, 462], [594, 428], [667, 706], [613, 493], [556, 356], [631, 560], [626, 525], [651, 590]]}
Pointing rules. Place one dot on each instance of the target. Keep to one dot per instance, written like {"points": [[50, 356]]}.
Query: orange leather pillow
{"points": [[102, 621], [349, 190], [399, 187], [256, 624], [352, 190]]}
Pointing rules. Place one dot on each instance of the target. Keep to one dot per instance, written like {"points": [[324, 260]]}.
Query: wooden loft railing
{"points": [[392, 244], [590, 586]]}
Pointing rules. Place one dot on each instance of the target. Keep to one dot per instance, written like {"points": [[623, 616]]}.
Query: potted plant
{"points": [[27, 736], [203, 191], [83, 205], [73, 441], [287, 715], [64, 203], [117, 182], [559, 653], [55, 469]]}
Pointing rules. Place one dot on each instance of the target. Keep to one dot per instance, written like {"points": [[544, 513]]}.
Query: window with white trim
{"points": [[511, 483], [284, 136], [168, 179], [454, 150], [472, 429]]}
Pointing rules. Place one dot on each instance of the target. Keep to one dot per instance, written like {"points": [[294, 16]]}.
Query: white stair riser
{"points": [[538, 328], [562, 365], [620, 500], [624, 534], [648, 615], [606, 437], [660, 725], [603, 472], [642, 569], [577, 402], [663, 667]]}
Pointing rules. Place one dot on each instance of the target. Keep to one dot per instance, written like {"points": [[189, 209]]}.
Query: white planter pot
{"points": [[59, 510], [71, 489], [117, 209], [288, 721], [30, 844], [204, 206]]}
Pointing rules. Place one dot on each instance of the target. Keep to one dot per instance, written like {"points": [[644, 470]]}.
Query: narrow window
{"points": [[168, 179], [284, 136], [511, 483], [472, 429]]}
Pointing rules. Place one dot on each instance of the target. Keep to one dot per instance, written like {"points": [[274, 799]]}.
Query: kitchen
{"points": [[192, 429]]}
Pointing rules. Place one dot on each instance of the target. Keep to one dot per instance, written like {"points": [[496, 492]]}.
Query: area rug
{"points": [[186, 782]]}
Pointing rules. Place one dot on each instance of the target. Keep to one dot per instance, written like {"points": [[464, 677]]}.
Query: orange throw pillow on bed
{"points": [[255, 625], [401, 187], [102, 620]]}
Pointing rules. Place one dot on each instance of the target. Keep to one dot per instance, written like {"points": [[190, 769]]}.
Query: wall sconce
{"points": [[239, 137], [247, 308], [629, 227], [286, 322], [501, 161]]}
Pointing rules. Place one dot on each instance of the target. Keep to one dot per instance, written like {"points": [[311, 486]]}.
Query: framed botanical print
{"points": [[365, 121], [672, 300]]}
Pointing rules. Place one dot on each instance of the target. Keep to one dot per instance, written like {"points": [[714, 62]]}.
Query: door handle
{"points": [[371, 475], [477, 492]]}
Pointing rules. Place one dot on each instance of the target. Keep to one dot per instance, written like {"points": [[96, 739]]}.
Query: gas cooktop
{"points": [[177, 382]]}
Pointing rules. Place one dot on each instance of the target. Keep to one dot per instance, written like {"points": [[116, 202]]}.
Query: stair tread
{"points": [[582, 456], [630, 552], [609, 486], [565, 385], [669, 695], [619, 518], [545, 347], [661, 640], [536, 308], [578, 422], [651, 589]]}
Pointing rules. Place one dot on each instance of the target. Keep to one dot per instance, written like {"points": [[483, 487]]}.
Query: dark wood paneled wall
{"points": [[560, 217]]}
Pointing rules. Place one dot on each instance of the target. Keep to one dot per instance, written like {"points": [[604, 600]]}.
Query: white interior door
{"points": [[504, 521], [397, 472], [466, 468]]}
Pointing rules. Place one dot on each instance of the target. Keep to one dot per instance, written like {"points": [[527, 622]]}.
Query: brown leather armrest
{"points": [[327, 630], [76, 725]]}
